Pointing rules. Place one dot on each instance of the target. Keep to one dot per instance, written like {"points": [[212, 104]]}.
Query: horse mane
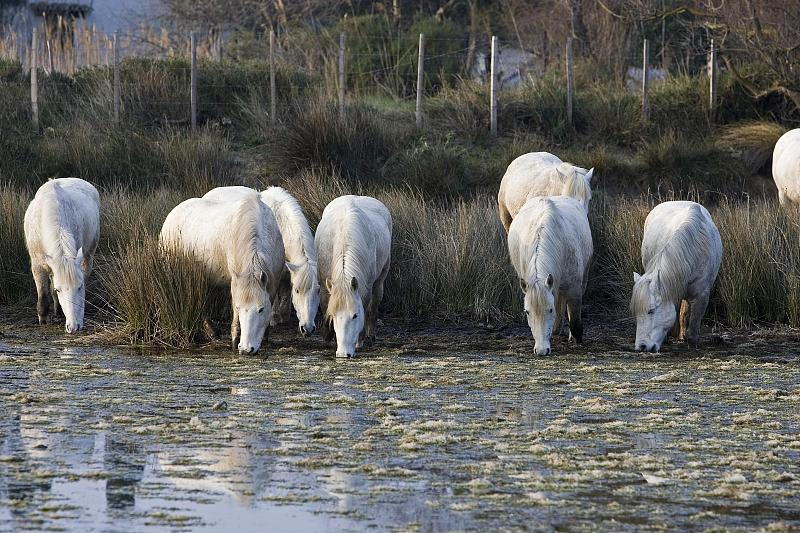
{"points": [[289, 214], [59, 241], [546, 250], [575, 186], [248, 261], [349, 255], [673, 264]]}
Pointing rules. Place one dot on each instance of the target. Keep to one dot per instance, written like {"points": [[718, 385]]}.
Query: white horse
{"points": [[299, 278], [541, 174], [550, 245], [681, 254], [240, 245], [353, 242], [62, 228], [786, 167]]}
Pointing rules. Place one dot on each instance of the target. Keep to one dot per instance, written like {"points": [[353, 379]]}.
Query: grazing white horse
{"points": [[550, 245], [353, 240], [681, 254], [300, 275], [240, 244], [786, 167], [62, 228], [541, 174]]}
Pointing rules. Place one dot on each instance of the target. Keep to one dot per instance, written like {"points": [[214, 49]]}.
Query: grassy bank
{"points": [[449, 254], [449, 261]]}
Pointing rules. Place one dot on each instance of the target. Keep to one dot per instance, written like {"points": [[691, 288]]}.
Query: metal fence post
{"points": [[193, 87], [420, 81], [570, 82], [117, 92], [645, 82], [493, 89], [341, 76], [272, 90], [712, 82], [34, 82]]}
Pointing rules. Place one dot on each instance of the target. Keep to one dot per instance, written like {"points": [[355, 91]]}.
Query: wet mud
{"points": [[433, 429]]}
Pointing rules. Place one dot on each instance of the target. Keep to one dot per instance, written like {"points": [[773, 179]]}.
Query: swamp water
{"points": [[425, 433]]}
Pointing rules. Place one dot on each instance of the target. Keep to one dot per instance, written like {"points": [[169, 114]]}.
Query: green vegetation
{"points": [[449, 254]]}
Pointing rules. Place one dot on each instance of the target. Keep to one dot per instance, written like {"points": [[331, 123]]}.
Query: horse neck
{"points": [[59, 240], [672, 264], [245, 255], [299, 241], [349, 250], [547, 249]]}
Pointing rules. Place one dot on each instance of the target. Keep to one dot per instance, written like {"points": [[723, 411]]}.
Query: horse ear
{"points": [[354, 283], [636, 278], [549, 281], [589, 175], [79, 256], [263, 278], [523, 284], [328, 284]]}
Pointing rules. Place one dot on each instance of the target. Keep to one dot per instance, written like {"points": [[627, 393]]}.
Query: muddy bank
{"points": [[436, 428]]}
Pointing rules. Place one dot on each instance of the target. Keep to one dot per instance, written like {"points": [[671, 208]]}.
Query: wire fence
{"points": [[197, 75]]}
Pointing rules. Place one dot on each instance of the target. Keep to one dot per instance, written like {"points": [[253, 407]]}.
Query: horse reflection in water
{"points": [[42, 450]]}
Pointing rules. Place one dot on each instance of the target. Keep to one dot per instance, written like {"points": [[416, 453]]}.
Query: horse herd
{"points": [[262, 247]]}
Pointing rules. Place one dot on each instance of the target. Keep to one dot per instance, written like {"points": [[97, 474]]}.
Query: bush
{"points": [[16, 281], [356, 148], [161, 296]]}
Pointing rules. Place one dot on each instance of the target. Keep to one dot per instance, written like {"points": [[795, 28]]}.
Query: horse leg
{"points": [[326, 328], [54, 295], [283, 301], [683, 319], [235, 329], [575, 321], [374, 303], [505, 216], [560, 309], [696, 308], [42, 280]]}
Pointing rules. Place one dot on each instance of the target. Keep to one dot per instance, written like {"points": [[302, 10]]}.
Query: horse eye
{"points": [[550, 310], [355, 316], [261, 310], [527, 312], [651, 311]]}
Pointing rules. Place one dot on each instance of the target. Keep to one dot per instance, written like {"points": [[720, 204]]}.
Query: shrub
{"points": [[161, 296], [356, 148], [16, 282]]}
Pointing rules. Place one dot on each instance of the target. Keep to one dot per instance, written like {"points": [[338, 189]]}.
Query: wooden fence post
{"points": [[117, 91], [712, 82], [420, 81], [493, 89], [34, 82], [645, 82], [193, 87], [570, 82], [341, 76], [272, 89]]}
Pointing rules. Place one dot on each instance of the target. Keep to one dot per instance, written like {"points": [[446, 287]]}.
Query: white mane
{"points": [[546, 251], [59, 242], [672, 264], [575, 183], [297, 237], [348, 260], [246, 259]]}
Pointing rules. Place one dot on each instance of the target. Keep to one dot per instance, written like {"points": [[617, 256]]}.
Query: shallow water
{"points": [[424, 432]]}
